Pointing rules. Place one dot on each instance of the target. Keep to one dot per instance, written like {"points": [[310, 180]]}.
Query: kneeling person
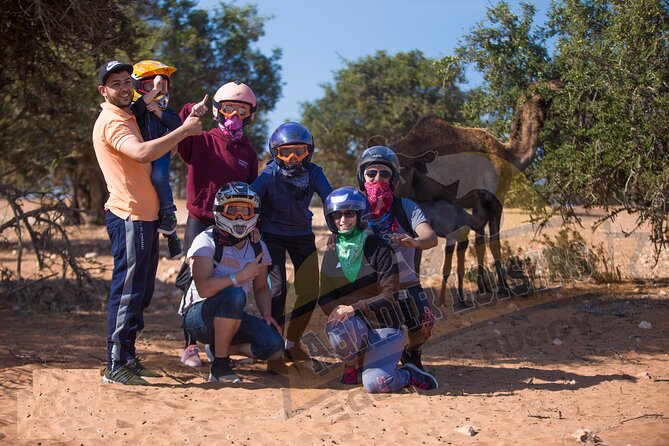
{"points": [[225, 268]]}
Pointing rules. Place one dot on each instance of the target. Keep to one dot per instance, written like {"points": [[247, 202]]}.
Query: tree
{"points": [[606, 139], [375, 100], [49, 98]]}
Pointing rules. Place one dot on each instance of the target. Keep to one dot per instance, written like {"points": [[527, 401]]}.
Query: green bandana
{"points": [[350, 247]]}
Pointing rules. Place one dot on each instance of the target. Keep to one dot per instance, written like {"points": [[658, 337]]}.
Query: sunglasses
{"points": [[336, 215], [234, 210], [372, 173], [146, 85], [299, 152]]}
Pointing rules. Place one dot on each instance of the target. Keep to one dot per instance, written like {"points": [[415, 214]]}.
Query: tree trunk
{"points": [[89, 190]]}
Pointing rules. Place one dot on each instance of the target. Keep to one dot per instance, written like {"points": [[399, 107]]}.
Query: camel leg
{"points": [[446, 271], [479, 248], [462, 250], [496, 251]]}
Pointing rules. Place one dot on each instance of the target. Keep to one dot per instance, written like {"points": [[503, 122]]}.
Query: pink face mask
{"points": [[232, 127], [380, 197]]}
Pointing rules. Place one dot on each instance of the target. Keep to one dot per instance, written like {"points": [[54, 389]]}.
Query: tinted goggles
{"points": [[228, 109], [336, 215], [298, 152], [146, 85], [372, 173], [236, 209]]}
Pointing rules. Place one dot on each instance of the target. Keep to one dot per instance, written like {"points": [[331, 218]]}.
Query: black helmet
{"points": [[291, 133], [346, 199], [378, 155]]}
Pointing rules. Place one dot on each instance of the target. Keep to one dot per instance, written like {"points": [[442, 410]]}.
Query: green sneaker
{"points": [[124, 375], [139, 369]]}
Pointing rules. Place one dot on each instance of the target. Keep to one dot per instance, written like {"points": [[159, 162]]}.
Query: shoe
{"points": [[412, 357], [419, 378], [221, 372], [167, 224], [350, 376], [296, 353], [174, 245], [123, 375], [137, 367], [191, 356]]}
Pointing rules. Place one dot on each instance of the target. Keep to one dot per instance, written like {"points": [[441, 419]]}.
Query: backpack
{"points": [[184, 276]]}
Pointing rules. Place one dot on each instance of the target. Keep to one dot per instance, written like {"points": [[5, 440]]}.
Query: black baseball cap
{"points": [[112, 66]]}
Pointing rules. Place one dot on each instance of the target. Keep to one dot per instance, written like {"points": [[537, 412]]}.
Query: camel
{"points": [[470, 168]]}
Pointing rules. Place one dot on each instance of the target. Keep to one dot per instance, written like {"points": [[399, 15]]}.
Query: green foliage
{"points": [[510, 52], [568, 256], [607, 143], [606, 138], [373, 101]]}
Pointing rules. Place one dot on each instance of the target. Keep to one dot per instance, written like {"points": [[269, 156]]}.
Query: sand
{"points": [[524, 370]]}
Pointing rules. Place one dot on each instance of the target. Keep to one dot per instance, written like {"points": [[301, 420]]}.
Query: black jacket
{"points": [[371, 294]]}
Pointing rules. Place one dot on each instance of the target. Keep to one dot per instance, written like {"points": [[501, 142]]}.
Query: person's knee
{"points": [[231, 303], [377, 381], [270, 347]]}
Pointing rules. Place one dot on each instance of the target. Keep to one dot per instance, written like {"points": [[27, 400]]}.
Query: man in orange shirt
{"points": [[131, 215]]}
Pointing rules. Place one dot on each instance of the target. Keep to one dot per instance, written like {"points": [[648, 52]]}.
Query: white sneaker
{"points": [[191, 356]]}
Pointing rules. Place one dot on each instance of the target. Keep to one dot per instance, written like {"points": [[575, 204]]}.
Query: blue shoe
{"points": [[419, 378]]}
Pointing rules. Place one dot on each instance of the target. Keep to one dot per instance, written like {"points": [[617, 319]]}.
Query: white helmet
{"points": [[236, 209]]}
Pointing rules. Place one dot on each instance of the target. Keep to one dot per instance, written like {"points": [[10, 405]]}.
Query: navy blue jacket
{"points": [[284, 210], [149, 124]]}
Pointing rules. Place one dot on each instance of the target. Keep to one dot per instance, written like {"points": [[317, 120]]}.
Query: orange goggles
{"points": [[235, 210], [228, 109], [287, 153]]}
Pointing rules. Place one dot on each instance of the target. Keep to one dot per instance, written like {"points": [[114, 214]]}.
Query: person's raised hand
{"points": [[200, 108], [252, 269]]}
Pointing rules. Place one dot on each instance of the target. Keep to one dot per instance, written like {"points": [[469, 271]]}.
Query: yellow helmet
{"points": [[148, 69]]}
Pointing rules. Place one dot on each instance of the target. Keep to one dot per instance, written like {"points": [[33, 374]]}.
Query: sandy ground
{"points": [[525, 370]]}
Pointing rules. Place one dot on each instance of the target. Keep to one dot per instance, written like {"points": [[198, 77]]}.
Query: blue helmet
{"points": [[345, 199], [379, 155], [291, 133]]}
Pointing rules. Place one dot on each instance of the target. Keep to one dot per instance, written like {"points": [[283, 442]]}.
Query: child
{"points": [[151, 80], [285, 188], [225, 269]]}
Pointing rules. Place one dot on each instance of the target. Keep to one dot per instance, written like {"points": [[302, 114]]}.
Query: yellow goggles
{"points": [[298, 152]]}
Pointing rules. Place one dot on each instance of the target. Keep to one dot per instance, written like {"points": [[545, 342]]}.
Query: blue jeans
{"points": [[160, 177], [382, 349], [229, 303], [134, 245]]}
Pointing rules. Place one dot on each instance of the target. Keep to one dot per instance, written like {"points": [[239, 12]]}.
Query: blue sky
{"points": [[316, 37]]}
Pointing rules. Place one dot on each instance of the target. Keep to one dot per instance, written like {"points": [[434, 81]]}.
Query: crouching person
{"points": [[225, 266], [359, 276]]}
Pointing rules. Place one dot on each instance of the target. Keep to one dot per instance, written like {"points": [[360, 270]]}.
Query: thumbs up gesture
{"points": [[200, 108]]}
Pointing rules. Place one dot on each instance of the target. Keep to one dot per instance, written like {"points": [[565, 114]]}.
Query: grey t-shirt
{"points": [[405, 254]]}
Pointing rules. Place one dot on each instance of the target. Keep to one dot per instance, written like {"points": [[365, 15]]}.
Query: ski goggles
{"points": [[297, 152], [336, 215], [236, 209], [146, 84], [228, 109], [372, 173]]}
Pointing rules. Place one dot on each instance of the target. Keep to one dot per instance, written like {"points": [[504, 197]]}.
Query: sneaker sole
{"points": [[106, 380], [423, 372], [166, 232], [224, 381]]}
